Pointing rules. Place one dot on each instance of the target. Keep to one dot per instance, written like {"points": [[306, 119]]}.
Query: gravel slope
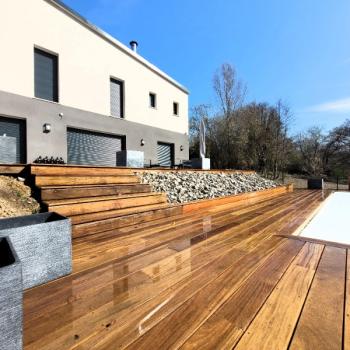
{"points": [[186, 186]]}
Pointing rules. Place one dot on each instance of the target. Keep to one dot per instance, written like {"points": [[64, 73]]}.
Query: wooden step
{"points": [[41, 181], [145, 214], [69, 170], [103, 215], [62, 192], [69, 201], [109, 204]]}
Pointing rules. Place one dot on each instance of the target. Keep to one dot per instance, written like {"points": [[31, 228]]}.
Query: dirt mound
{"points": [[15, 198]]}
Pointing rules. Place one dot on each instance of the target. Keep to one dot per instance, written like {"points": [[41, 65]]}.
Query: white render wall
{"points": [[86, 63]]}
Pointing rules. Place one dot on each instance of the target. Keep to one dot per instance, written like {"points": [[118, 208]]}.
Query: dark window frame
{"points": [[153, 95], [172, 151], [176, 108], [55, 82], [23, 134], [121, 83]]}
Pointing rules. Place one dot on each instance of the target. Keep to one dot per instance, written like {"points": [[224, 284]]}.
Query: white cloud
{"points": [[336, 106]]}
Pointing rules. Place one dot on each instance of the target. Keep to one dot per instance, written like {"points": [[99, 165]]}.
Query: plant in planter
{"points": [[11, 295], [43, 244]]}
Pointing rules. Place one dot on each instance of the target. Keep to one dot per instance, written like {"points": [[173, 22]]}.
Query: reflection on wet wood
{"points": [[215, 278]]}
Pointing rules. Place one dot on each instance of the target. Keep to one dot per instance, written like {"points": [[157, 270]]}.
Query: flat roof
{"points": [[110, 39]]}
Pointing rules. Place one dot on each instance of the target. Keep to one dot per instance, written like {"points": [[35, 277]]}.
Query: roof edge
{"points": [[104, 35]]}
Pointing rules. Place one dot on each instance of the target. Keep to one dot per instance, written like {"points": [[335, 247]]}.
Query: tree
{"points": [[336, 154], [229, 90], [256, 135], [310, 146]]}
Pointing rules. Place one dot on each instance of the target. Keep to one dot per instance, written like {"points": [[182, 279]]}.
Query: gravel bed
{"points": [[186, 186]]}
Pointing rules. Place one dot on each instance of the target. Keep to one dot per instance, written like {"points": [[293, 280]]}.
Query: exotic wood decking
{"points": [[217, 278], [97, 199]]}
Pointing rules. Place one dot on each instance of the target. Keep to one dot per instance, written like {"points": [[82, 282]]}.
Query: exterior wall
{"points": [[38, 112], [86, 63]]}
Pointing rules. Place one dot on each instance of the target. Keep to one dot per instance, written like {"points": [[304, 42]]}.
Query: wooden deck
{"points": [[218, 278]]}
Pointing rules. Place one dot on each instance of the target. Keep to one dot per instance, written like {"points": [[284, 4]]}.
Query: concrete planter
{"points": [[315, 184], [44, 246], [131, 159], [11, 314], [201, 163]]}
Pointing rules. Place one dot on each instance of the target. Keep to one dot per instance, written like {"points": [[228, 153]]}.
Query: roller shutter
{"points": [[46, 75], [165, 154], [117, 91], [92, 148], [15, 130]]}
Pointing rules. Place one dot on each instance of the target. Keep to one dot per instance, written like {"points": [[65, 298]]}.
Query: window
{"points": [[45, 75], [152, 100], [175, 108], [117, 98]]}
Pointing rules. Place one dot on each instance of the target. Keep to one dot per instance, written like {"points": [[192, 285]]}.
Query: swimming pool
{"points": [[332, 222]]}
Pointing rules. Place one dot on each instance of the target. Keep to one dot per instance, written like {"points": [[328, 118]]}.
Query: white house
{"points": [[70, 90]]}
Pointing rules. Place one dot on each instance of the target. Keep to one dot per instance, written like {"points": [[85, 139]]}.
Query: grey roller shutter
{"points": [[45, 75], [91, 148], [164, 151], [13, 151], [117, 91]]}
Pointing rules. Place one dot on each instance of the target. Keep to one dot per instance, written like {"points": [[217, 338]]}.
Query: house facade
{"points": [[69, 90]]}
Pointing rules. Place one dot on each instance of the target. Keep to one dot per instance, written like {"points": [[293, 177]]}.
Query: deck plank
{"points": [[257, 219], [157, 309], [273, 326], [128, 283], [215, 296], [233, 317], [321, 323]]}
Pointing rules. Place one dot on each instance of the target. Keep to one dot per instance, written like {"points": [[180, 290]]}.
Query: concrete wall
{"points": [[87, 60], [37, 113]]}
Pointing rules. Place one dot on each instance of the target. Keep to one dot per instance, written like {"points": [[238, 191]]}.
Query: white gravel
{"points": [[186, 186]]}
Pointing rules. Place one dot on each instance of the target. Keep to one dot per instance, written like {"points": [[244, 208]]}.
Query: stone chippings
{"points": [[186, 186]]}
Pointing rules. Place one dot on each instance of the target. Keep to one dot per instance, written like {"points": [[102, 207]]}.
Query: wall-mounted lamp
{"points": [[46, 128], [181, 148], [142, 142]]}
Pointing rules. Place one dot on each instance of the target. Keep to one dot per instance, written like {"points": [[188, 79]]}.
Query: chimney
{"points": [[134, 45]]}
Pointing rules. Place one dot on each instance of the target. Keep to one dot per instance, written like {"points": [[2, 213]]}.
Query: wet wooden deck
{"points": [[220, 278]]}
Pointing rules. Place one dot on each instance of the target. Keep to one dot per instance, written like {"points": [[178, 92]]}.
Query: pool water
{"points": [[332, 222]]}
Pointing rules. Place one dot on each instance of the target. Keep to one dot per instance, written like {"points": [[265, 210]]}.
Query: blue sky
{"points": [[296, 50]]}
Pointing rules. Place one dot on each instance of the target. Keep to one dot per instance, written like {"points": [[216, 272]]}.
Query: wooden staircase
{"points": [[99, 199]]}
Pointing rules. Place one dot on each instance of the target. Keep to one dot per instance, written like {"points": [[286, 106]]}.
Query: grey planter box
{"points": [[131, 159], [315, 184], [43, 243], [11, 295], [201, 163]]}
